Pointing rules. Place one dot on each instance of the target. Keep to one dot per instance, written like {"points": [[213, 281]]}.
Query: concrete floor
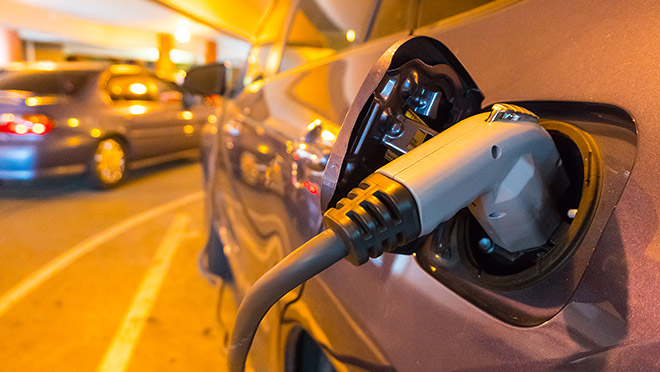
{"points": [[107, 281]]}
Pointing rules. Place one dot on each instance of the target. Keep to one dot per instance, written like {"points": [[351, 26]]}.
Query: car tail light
{"points": [[38, 124]]}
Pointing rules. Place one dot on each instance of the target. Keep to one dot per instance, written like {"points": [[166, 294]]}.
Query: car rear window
{"points": [[132, 88], [46, 82]]}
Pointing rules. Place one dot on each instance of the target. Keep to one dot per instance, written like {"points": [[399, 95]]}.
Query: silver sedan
{"points": [[93, 119]]}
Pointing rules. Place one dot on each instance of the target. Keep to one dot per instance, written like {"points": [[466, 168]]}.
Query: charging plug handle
{"points": [[503, 165]]}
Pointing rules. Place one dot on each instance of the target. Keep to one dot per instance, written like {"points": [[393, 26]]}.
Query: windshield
{"points": [[47, 82]]}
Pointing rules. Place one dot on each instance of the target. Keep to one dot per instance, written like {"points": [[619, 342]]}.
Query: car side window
{"points": [[132, 88], [393, 16], [324, 27], [431, 11]]}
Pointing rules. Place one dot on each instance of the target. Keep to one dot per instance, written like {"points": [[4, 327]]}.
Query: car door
{"points": [[191, 115]]}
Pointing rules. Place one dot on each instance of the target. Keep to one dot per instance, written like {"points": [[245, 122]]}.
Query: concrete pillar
{"points": [[164, 65], [211, 52], [48, 52], [30, 51], [11, 49]]}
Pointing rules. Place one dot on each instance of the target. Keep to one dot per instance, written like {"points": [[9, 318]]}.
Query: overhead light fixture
{"points": [[182, 34], [182, 56]]}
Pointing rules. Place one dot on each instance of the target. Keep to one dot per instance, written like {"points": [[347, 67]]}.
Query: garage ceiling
{"points": [[130, 27], [240, 17], [236, 18]]}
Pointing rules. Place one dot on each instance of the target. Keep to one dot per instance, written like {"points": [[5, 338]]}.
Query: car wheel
{"points": [[107, 167]]}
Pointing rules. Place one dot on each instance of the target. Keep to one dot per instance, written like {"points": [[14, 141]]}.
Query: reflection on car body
{"points": [[455, 309], [76, 118]]}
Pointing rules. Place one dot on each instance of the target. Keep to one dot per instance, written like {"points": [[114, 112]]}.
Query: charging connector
{"points": [[501, 164]]}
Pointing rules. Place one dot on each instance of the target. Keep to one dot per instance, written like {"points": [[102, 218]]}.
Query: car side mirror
{"points": [[206, 80]]}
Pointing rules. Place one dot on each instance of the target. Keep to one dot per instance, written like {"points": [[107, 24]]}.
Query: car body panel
{"points": [[389, 313]]}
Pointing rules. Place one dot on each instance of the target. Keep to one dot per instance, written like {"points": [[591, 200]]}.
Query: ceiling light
{"points": [[182, 35]]}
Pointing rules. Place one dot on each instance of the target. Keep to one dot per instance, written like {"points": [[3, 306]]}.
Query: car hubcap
{"points": [[110, 161]]}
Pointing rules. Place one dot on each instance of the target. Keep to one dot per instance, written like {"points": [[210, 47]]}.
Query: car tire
{"points": [[108, 164]]}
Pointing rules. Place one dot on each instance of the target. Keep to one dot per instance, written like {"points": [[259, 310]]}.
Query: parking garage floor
{"points": [[107, 281]]}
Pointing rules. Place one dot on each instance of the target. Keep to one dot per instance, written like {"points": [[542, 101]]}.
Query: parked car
{"points": [[94, 119], [585, 300]]}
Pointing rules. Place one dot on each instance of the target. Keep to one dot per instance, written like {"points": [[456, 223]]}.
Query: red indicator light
{"points": [[311, 187]]}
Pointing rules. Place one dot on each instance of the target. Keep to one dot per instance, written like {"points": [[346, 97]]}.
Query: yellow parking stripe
{"points": [[29, 284], [119, 354]]}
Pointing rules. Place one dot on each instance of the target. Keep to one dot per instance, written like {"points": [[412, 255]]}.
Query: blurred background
{"points": [[102, 217], [92, 276], [167, 36]]}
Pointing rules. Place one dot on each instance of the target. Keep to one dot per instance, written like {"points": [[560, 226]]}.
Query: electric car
{"points": [[335, 90], [94, 119]]}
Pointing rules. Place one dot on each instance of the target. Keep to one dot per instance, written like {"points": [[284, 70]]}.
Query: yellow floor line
{"points": [[29, 284], [121, 349]]}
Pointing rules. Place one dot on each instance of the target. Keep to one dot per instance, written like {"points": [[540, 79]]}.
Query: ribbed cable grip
{"points": [[377, 216]]}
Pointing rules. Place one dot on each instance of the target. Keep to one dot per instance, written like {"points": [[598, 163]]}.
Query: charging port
{"points": [[493, 266], [462, 256]]}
